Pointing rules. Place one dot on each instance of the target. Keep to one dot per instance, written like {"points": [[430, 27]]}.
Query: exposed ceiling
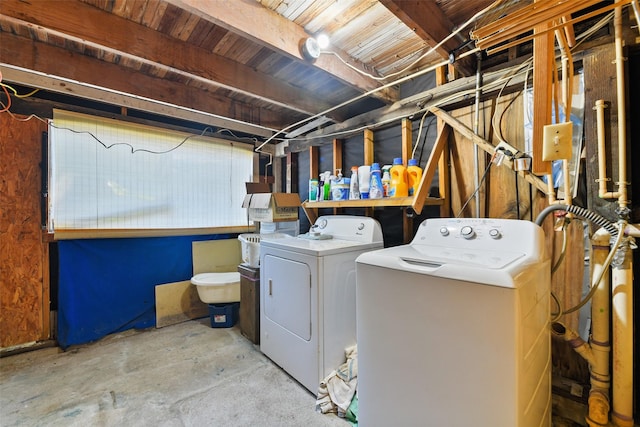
{"points": [[236, 63]]}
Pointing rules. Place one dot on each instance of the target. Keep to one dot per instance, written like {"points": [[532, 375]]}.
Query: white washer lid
{"points": [[216, 279]]}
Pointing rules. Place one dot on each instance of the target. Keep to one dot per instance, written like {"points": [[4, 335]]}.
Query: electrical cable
{"points": [[428, 52], [413, 152], [15, 92], [484, 175]]}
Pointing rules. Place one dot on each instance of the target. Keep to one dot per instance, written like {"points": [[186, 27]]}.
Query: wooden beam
{"points": [[444, 180], [430, 169], [429, 22], [485, 145], [112, 34], [251, 20], [543, 55], [58, 70], [368, 147], [455, 92]]}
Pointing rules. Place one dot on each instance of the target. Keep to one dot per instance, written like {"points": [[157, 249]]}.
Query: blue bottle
{"points": [[376, 190]]}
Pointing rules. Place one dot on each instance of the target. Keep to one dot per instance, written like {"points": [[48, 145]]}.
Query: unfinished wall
{"points": [[24, 266]]}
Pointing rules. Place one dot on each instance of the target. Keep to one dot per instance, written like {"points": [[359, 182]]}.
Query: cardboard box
{"points": [[264, 206]]}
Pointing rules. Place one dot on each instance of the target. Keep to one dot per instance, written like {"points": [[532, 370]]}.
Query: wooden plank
{"points": [[485, 145], [337, 161], [114, 35], [267, 28], [368, 147], [127, 87], [431, 24], [24, 293], [444, 180], [430, 169], [543, 54], [178, 302], [216, 256]]}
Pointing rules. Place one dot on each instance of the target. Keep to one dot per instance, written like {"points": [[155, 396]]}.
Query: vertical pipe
{"points": [[622, 275], [602, 159], [622, 116], [476, 130], [600, 377], [622, 350]]}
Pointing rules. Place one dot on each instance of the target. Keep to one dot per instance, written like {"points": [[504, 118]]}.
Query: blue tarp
{"points": [[108, 285]]}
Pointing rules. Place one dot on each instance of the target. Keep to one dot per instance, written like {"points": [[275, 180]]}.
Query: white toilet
{"points": [[216, 288]]}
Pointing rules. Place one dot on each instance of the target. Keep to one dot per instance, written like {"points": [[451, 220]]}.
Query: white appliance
{"points": [[307, 295], [452, 328]]}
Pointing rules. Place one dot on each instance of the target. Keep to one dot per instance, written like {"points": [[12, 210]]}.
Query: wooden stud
{"points": [[543, 55], [444, 182]]}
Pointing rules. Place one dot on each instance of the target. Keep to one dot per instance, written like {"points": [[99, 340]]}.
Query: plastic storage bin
{"points": [[224, 315], [250, 249], [250, 244]]}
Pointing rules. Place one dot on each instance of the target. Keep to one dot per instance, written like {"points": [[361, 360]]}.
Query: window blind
{"points": [[108, 174]]}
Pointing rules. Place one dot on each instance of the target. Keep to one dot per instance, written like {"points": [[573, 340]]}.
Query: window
{"points": [[106, 174]]}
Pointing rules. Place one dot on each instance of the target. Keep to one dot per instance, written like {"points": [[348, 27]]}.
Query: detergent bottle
{"points": [[414, 175], [386, 180], [354, 191], [398, 186], [376, 191]]}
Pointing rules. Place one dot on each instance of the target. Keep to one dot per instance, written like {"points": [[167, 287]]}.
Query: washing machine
{"points": [[452, 328], [307, 295]]}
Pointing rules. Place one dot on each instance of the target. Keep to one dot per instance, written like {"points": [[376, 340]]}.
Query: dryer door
{"points": [[287, 298]]}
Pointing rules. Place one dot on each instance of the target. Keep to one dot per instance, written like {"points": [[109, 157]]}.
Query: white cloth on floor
{"points": [[337, 389]]}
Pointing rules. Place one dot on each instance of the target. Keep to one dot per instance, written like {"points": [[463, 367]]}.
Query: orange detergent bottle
{"points": [[399, 186], [414, 175]]}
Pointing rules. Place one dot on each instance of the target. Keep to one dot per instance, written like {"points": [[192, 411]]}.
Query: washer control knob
{"points": [[467, 232], [444, 231], [495, 233], [321, 223], [361, 226]]}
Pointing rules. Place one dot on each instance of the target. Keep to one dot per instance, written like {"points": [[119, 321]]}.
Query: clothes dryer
{"points": [[307, 295]]}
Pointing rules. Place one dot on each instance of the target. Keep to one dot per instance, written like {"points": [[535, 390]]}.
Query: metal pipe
{"points": [[599, 341], [622, 329], [602, 158], [622, 116], [476, 130], [622, 272]]}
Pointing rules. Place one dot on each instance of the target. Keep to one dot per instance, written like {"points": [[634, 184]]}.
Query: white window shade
{"points": [[112, 175]]}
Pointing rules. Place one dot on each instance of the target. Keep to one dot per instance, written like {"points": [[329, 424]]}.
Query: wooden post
{"points": [[337, 162], [543, 54], [443, 164]]}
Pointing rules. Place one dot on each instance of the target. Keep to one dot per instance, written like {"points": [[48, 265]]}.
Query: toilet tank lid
{"points": [[216, 279]]}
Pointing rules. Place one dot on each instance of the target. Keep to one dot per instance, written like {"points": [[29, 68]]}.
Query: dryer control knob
{"points": [[444, 231], [467, 232], [495, 233], [361, 226]]}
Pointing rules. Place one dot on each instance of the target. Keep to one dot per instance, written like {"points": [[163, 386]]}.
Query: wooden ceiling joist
{"points": [[431, 24], [128, 88], [263, 26], [118, 36]]}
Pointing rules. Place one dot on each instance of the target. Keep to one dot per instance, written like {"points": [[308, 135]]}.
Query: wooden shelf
{"points": [[310, 208], [370, 203]]}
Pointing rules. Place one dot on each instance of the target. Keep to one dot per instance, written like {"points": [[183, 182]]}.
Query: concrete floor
{"points": [[187, 374]]}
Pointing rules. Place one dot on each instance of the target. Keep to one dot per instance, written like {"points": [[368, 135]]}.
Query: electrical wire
{"points": [[484, 176], [132, 148], [15, 92], [428, 52], [415, 146]]}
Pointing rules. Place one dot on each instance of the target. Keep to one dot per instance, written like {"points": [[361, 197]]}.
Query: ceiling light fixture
{"points": [[310, 49], [323, 41]]}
